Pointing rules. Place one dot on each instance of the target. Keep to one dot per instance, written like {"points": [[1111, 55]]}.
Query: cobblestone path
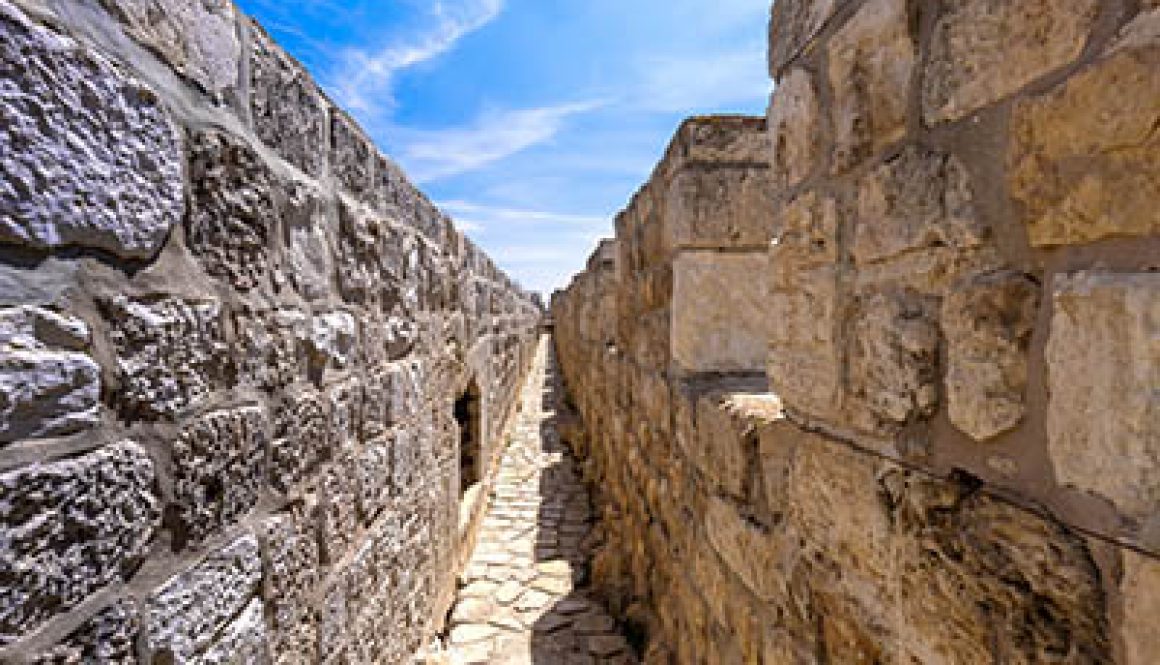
{"points": [[523, 597]]}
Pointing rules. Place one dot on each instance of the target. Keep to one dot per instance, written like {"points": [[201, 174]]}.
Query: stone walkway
{"points": [[523, 597]]}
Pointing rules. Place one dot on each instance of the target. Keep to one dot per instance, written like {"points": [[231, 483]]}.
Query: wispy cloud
{"points": [[713, 81], [363, 82], [473, 216], [430, 155]]}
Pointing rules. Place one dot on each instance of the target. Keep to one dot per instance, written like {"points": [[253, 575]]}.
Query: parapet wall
{"points": [[951, 455], [232, 337]]}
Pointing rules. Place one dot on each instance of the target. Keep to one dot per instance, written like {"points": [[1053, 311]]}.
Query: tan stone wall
{"points": [[955, 459], [231, 337]]}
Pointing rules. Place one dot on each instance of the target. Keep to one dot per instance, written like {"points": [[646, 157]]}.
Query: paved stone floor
{"points": [[523, 597]]}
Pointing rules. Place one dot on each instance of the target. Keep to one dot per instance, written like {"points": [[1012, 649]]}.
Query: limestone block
{"points": [[108, 637], [750, 551], [288, 110], [89, 157], [893, 366], [71, 527], [718, 318], [233, 216], [245, 640], [805, 362], [345, 402], [795, 129], [1085, 164], [301, 439], [717, 207], [333, 340], [793, 25], [170, 352], [48, 386], [723, 140], [985, 50], [870, 63], [987, 323], [269, 346], [218, 469], [1140, 587], [1103, 363], [717, 441], [337, 514], [374, 478], [370, 257], [308, 254], [292, 571], [198, 39], [184, 616], [350, 155]]}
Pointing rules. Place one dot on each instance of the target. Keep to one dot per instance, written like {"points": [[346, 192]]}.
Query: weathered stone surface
{"points": [[893, 360], [795, 129], [89, 157], [987, 323], [719, 207], [170, 352], [350, 155], [232, 214], [333, 340], [219, 469], [985, 50], [1103, 365], [718, 444], [309, 260], [291, 572], [198, 39], [870, 63], [301, 439], [270, 349], [184, 616], [47, 386], [245, 640], [792, 26], [289, 111], [337, 509], [109, 637], [69, 528], [1141, 590], [718, 318], [1085, 164]]}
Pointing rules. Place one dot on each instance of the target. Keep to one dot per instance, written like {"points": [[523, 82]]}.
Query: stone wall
{"points": [[951, 455], [231, 337]]}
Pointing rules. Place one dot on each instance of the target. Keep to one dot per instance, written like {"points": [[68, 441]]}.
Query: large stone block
{"points": [[219, 464], [870, 63], [795, 129], [988, 322], [288, 110], [301, 439], [89, 157], [337, 509], [805, 363], [718, 313], [718, 439], [350, 155], [1103, 363], [985, 50], [717, 207], [245, 640], [793, 24], [308, 260], [270, 353], [292, 571], [109, 637], [171, 352], [1140, 587], [232, 217], [198, 39], [1085, 164], [69, 528], [184, 618], [48, 386]]}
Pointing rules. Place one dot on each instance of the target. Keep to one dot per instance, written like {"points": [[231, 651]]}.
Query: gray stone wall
{"points": [[231, 337], [951, 455]]}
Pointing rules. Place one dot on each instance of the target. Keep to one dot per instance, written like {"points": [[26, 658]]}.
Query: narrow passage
{"points": [[523, 596]]}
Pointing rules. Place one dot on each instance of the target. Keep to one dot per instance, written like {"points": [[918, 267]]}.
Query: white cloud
{"points": [[429, 155], [364, 79], [707, 81], [474, 217]]}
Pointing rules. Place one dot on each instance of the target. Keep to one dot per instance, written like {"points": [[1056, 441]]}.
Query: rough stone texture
{"points": [[232, 211], [289, 111], [219, 466], [1141, 589], [870, 63], [90, 158], [198, 39], [182, 618], [301, 439], [1084, 162], [984, 50], [350, 155], [290, 553], [793, 24], [988, 324], [795, 129], [108, 637], [717, 312], [69, 528], [1103, 362], [309, 263]]}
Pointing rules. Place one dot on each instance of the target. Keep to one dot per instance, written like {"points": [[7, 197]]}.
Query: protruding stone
{"points": [[90, 158], [1103, 368], [245, 640], [350, 155], [184, 616], [309, 260], [718, 319], [795, 129], [288, 109], [333, 339], [301, 439], [793, 25], [987, 323], [71, 527], [108, 637]]}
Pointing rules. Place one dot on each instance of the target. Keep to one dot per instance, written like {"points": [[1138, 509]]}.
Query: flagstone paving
{"points": [[523, 596]]}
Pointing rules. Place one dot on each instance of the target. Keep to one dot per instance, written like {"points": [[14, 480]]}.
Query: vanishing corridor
{"points": [[524, 596]]}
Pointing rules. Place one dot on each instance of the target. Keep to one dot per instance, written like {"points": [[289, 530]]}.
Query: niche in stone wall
{"points": [[468, 415]]}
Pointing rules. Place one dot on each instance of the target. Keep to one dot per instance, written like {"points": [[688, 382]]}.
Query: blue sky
{"points": [[531, 122]]}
